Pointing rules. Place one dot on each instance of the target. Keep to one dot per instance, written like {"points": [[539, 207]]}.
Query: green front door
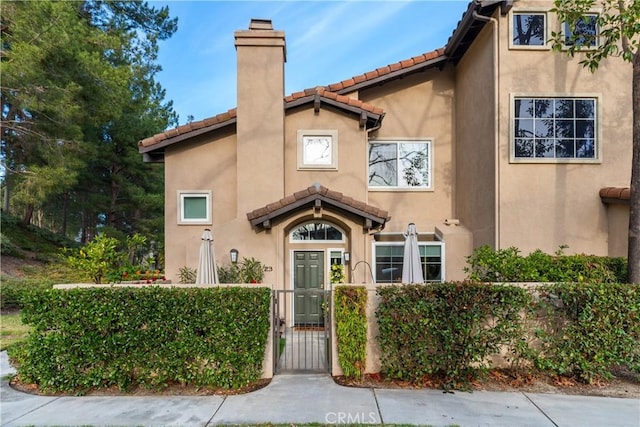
{"points": [[308, 282]]}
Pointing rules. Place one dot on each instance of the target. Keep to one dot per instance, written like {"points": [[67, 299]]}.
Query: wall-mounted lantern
{"points": [[233, 254]]}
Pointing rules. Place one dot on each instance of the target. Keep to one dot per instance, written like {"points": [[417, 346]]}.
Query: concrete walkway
{"points": [[316, 398]]}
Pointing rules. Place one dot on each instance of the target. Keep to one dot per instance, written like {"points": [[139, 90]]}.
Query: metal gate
{"points": [[301, 343]]}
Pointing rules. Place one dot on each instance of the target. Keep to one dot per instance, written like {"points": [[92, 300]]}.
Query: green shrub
{"points": [[152, 337], [350, 303], [589, 328], [13, 291], [447, 329], [249, 270], [507, 265], [99, 258]]}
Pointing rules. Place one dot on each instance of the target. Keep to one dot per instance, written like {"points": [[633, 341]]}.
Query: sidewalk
{"points": [[317, 399]]}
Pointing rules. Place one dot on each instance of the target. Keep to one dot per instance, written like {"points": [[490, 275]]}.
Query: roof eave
{"points": [[182, 137], [393, 75]]}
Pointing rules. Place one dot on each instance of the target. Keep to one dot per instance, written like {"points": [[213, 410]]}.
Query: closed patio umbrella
{"points": [[207, 272], [411, 265]]}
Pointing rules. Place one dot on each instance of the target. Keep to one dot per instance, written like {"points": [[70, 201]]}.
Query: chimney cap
{"points": [[260, 24]]}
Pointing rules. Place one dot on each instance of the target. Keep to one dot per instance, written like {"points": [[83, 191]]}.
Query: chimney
{"points": [[261, 53]]}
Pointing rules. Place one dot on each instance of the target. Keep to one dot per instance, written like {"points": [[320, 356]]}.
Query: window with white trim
{"points": [[554, 128], [389, 260], [400, 164], [317, 231], [583, 33], [529, 30], [194, 207], [318, 149]]}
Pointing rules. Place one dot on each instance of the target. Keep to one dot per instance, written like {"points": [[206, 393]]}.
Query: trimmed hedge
{"points": [[13, 291], [588, 329], [151, 337], [350, 303], [450, 329], [447, 329]]}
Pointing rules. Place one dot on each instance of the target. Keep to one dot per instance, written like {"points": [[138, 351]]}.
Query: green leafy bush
{"points": [[14, 290], [99, 257], [507, 265], [589, 328], [249, 270], [448, 329], [350, 304], [152, 337]]}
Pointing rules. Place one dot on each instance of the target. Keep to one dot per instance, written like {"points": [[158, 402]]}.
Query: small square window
{"points": [[529, 29], [583, 33], [317, 149], [194, 207]]}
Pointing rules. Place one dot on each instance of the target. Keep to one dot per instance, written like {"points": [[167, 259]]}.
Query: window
{"points": [[389, 260], [321, 231], [317, 149], [554, 128], [584, 32], [528, 29], [194, 207], [400, 164]]}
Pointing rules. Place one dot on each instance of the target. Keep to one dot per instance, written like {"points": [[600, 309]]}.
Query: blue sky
{"points": [[327, 42]]}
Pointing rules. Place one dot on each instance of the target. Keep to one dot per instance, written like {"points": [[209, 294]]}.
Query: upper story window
{"points": [[529, 30], [400, 164], [317, 149], [554, 128], [583, 33], [194, 207], [318, 231]]}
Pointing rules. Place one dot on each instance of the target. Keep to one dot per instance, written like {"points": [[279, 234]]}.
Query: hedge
{"points": [[350, 303], [150, 337], [582, 330], [447, 329], [587, 329]]}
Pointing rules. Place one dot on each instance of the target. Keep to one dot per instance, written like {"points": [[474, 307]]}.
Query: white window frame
{"points": [[292, 240], [544, 46], [441, 244], [564, 26], [304, 134], [398, 141], [597, 131], [182, 195]]}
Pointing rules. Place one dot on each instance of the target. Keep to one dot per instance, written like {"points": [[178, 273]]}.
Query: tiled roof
{"points": [[324, 93], [316, 195], [615, 195], [386, 72], [217, 120]]}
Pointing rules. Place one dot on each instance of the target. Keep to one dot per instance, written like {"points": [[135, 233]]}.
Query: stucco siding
{"points": [[418, 107], [475, 140], [543, 206]]}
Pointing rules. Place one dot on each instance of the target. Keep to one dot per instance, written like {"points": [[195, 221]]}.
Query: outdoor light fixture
{"points": [[346, 257], [233, 254]]}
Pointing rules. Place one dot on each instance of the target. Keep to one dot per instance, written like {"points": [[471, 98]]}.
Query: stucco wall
{"points": [[547, 205], [618, 227], [475, 139], [418, 107]]}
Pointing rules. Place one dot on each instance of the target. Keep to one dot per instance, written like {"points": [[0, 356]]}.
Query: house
{"points": [[492, 140]]}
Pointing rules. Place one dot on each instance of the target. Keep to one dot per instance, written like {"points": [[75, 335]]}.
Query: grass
{"points": [[12, 331]]}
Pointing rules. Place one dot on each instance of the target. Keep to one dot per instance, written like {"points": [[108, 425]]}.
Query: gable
{"points": [[318, 198]]}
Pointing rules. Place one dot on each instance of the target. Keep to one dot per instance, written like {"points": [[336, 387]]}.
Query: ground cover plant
{"points": [[151, 337]]}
